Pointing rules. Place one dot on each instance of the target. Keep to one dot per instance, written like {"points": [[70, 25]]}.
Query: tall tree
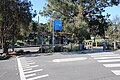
{"points": [[15, 14], [116, 28], [75, 12]]}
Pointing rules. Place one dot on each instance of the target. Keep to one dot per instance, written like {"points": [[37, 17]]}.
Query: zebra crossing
{"points": [[28, 69], [108, 60]]}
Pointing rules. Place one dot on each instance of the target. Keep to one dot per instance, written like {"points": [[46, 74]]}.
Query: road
{"points": [[96, 66], [9, 69]]}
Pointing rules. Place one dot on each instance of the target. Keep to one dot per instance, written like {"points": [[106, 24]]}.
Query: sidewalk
{"points": [[98, 50]]}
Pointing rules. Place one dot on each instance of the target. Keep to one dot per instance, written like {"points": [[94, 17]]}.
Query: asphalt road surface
{"points": [[94, 66]]}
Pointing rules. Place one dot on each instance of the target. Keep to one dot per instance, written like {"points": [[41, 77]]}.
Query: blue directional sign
{"points": [[57, 25]]}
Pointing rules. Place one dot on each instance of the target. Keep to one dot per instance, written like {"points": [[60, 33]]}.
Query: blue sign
{"points": [[57, 25]]}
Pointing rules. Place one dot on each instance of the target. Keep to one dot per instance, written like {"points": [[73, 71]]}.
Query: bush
{"points": [[58, 48], [66, 49], [3, 56], [45, 49], [20, 52], [118, 45]]}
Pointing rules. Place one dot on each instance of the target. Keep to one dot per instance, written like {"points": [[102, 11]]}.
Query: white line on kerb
{"points": [[69, 59], [22, 76]]}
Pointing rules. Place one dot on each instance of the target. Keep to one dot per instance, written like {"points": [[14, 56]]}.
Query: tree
{"points": [[75, 12], [67, 11], [115, 28], [15, 14]]}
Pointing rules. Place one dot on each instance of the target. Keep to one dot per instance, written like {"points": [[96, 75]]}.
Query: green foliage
{"points": [[113, 32], [79, 15], [15, 15]]}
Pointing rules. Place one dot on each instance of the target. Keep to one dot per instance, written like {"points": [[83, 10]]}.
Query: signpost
{"points": [[57, 25]]}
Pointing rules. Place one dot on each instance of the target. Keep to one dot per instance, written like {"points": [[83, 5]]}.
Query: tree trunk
{"points": [[13, 37], [5, 45], [5, 48], [2, 35], [13, 42]]}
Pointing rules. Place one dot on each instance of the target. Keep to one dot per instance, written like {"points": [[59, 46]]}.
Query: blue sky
{"points": [[38, 5], [115, 10]]}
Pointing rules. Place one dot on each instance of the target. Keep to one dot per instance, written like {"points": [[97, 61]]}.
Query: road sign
{"points": [[57, 25]]}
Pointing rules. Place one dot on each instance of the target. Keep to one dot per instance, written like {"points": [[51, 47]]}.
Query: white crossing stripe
{"points": [[116, 72], [31, 63], [112, 65], [25, 66], [33, 71], [38, 77], [29, 75], [114, 60], [108, 57], [31, 66], [69, 59], [27, 69]]}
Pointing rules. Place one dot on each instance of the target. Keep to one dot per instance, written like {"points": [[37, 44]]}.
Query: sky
{"points": [[39, 4], [113, 11]]}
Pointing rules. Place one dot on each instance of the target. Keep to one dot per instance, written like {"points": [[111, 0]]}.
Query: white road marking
{"points": [[27, 72], [25, 65], [31, 63], [34, 66], [114, 60], [29, 75], [103, 53], [31, 66], [38, 77], [116, 72], [33, 71], [27, 69], [112, 65], [69, 59], [108, 57], [22, 76]]}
